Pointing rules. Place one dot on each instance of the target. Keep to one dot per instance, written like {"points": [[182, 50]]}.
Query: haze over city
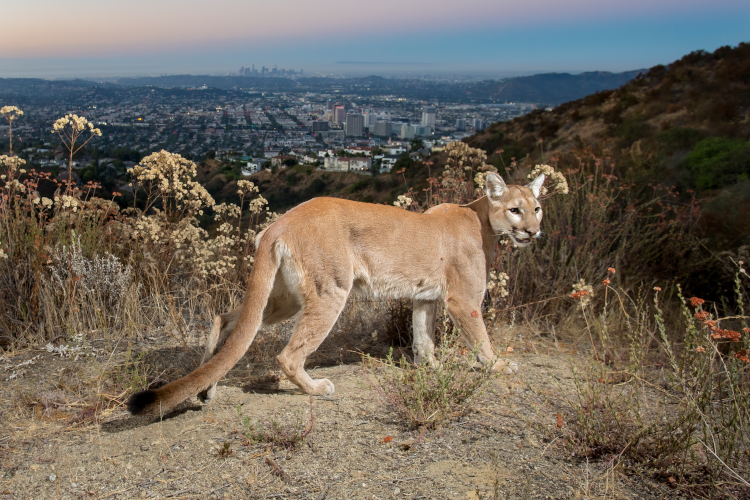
{"points": [[47, 39]]}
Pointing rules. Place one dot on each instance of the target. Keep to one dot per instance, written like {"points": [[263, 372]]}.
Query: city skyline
{"points": [[46, 39]]}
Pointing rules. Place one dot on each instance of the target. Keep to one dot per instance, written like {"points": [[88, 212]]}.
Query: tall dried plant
{"points": [[10, 113], [71, 129]]}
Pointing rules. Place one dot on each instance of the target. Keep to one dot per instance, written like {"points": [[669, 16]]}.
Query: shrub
{"points": [[428, 396], [279, 432], [718, 161], [690, 424]]}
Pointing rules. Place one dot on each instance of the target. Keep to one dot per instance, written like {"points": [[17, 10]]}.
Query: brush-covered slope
{"points": [[666, 109]]}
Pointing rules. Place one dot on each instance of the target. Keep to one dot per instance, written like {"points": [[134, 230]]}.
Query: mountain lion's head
{"points": [[515, 210]]}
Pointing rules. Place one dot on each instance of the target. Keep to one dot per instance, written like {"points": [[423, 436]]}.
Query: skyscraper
{"points": [[429, 116], [370, 118], [354, 125], [339, 114], [383, 129], [407, 131]]}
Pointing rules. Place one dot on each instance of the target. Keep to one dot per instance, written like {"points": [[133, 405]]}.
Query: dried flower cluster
{"points": [[168, 178], [583, 292], [67, 202], [72, 125], [557, 181], [498, 282], [11, 112], [705, 318], [403, 201], [12, 165], [465, 163], [70, 128]]}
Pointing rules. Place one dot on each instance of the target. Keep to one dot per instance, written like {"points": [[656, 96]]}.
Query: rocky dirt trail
{"points": [[507, 446]]}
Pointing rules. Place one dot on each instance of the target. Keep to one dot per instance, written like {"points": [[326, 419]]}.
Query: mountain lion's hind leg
{"points": [[223, 325], [423, 324], [318, 316]]}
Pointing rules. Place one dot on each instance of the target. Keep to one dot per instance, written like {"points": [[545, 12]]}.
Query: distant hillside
{"points": [[19, 90], [556, 88], [548, 88], [702, 94], [219, 82]]}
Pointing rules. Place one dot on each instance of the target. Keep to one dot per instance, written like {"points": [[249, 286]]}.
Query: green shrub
{"points": [[719, 161]]}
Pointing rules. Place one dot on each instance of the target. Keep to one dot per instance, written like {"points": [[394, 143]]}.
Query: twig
{"points": [[323, 493], [546, 448], [722, 463], [404, 479], [151, 479], [217, 489]]}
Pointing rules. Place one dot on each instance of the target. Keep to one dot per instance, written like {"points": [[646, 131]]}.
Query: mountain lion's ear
{"points": [[536, 185], [495, 186]]}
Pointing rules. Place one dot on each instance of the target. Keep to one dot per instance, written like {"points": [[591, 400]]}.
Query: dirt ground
{"points": [[57, 442]]}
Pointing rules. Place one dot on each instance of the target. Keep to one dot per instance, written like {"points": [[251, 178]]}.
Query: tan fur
{"points": [[310, 260]]}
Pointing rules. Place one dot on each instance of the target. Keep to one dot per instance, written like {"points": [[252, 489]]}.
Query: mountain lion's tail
{"points": [[259, 286]]}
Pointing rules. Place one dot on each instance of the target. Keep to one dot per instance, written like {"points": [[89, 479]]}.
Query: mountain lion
{"points": [[310, 260]]}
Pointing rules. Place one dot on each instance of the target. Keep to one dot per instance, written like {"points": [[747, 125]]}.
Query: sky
{"points": [[103, 38]]}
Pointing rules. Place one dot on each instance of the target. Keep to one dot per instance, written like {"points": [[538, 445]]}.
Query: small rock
{"points": [[397, 491], [52, 478], [145, 447]]}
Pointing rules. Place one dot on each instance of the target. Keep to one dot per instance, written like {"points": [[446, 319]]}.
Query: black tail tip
{"points": [[140, 400]]}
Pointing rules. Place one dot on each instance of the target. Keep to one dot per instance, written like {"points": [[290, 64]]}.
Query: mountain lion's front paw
{"points": [[506, 367], [323, 387]]}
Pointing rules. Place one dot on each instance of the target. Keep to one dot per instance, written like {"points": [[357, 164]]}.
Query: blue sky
{"points": [[47, 38]]}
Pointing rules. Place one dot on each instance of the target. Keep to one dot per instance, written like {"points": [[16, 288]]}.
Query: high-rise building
{"points": [[339, 114], [461, 124], [429, 116], [407, 132], [479, 124], [383, 129], [354, 125], [370, 118]]}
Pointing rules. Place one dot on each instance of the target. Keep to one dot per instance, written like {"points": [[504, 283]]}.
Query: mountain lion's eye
{"points": [[537, 209], [514, 210]]}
